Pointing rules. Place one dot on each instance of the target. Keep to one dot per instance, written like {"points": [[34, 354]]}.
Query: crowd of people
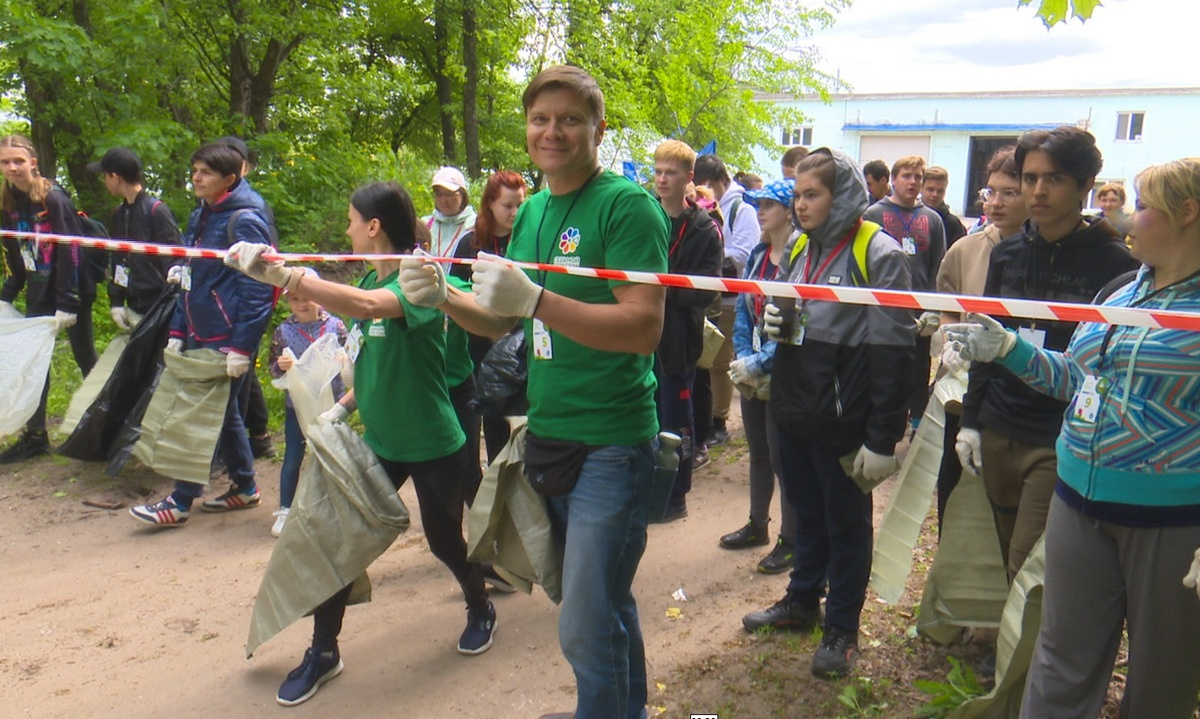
{"points": [[1083, 433]]}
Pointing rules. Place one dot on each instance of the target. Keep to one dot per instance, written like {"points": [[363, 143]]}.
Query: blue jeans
{"points": [[293, 455], [604, 519]]}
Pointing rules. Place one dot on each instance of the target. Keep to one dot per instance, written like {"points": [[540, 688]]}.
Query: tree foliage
{"points": [[332, 93], [1053, 12]]}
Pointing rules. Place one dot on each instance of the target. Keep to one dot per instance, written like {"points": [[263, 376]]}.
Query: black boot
{"points": [[753, 534], [31, 444]]}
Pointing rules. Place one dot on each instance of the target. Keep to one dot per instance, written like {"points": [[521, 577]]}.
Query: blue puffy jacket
{"points": [[224, 309]]}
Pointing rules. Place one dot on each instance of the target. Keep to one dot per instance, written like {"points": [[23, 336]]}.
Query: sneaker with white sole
{"points": [[481, 626], [281, 516], [164, 514], [235, 498], [304, 681]]}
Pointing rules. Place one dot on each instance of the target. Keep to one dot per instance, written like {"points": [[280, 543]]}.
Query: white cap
{"points": [[449, 178]]}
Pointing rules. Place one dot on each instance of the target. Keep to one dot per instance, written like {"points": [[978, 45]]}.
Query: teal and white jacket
{"points": [[1138, 463]]}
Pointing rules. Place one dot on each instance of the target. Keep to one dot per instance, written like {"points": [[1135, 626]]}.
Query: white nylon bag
{"points": [[309, 380], [26, 346]]}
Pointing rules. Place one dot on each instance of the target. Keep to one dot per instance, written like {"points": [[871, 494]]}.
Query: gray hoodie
{"points": [[847, 383]]}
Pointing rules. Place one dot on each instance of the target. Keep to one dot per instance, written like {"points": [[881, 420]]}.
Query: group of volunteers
{"points": [[1082, 432]]}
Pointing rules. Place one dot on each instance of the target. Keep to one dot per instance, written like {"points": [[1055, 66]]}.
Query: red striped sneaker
{"points": [[164, 514], [235, 498]]}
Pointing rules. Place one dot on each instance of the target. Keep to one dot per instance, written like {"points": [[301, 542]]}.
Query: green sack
{"points": [[346, 514], [183, 421]]}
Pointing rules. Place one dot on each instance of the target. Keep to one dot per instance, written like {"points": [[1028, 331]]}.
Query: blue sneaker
{"points": [[164, 514], [304, 681], [481, 625]]}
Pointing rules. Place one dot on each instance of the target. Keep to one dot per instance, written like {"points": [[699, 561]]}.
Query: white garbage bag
{"points": [[26, 346], [309, 381]]}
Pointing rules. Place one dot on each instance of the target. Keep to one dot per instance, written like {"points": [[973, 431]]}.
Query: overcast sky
{"points": [[959, 45]]}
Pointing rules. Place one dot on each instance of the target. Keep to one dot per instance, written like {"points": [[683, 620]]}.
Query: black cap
{"points": [[122, 161], [236, 143]]}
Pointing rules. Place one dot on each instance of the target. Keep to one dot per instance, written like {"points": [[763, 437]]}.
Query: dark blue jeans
{"points": [[233, 445], [293, 455], [604, 520], [834, 535], [675, 415]]}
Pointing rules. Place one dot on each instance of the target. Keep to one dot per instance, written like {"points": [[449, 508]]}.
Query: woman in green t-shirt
{"points": [[400, 393]]}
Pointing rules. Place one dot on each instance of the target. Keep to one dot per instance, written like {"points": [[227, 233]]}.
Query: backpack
{"points": [[862, 239], [95, 259]]}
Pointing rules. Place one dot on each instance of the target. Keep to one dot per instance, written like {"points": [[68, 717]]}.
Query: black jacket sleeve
{"points": [[15, 282], [700, 253], [68, 259]]}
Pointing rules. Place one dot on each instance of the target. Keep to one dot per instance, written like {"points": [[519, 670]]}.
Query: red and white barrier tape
{"points": [[995, 306]]}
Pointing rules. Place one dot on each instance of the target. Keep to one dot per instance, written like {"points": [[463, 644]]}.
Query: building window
{"points": [[1129, 125], [799, 136]]}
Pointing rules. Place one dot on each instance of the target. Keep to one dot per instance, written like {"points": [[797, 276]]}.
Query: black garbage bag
{"points": [[502, 378], [111, 425]]}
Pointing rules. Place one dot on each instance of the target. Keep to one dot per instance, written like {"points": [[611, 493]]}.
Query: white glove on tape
{"points": [[982, 339], [175, 274], [874, 467], [504, 289], [236, 364], [423, 282], [65, 319], [246, 257], [120, 319], [969, 447]]}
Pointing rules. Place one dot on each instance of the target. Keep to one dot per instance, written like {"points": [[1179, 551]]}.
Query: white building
{"points": [[960, 131]]}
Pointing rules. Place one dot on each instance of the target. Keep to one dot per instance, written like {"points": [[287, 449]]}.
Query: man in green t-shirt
{"points": [[591, 375]]}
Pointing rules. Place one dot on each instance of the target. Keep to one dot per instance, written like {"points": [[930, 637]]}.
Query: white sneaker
{"points": [[281, 516]]}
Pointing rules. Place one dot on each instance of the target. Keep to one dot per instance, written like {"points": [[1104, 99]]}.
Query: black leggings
{"points": [[439, 486]]}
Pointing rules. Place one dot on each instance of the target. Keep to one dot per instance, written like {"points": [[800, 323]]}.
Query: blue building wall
{"points": [[941, 126]]}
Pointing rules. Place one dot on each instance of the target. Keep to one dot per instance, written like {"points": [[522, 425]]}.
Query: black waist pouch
{"points": [[552, 466]]}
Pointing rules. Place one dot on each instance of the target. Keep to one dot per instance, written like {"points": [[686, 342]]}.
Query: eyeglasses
{"points": [[987, 194]]}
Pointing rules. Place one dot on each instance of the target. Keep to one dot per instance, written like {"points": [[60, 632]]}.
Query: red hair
{"points": [[485, 223]]}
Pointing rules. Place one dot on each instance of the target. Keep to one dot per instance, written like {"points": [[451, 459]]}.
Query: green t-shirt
{"points": [[585, 394], [400, 382], [458, 360]]}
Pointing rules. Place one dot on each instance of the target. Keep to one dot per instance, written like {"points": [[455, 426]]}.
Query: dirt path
{"points": [[105, 618]]}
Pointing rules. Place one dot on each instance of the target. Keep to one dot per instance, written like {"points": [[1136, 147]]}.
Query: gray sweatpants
{"points": [[1100, 577]]}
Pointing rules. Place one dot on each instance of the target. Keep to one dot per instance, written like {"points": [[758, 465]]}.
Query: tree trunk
{"points": [[471, 90], [445, 91]]}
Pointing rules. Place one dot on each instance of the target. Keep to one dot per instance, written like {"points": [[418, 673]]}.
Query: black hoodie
{"points": [[694, 248], [1025, 266]]}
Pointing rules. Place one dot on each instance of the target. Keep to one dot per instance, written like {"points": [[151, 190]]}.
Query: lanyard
{"points": [[541, 274], [678, 239], [907, 224], [309, 337], [760, 301], [832, 255], [440, 246]]}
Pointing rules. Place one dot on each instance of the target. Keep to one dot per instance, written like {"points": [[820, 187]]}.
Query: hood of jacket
{"points": [[850, 199], [466, 216], [735, 192], [1092, 229], [240, 196]]}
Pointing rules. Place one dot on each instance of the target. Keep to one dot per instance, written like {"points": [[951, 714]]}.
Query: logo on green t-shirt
{"points": [[568, 241]]}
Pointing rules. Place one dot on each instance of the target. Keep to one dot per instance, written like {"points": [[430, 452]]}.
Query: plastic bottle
{"points": [[666, 465]]}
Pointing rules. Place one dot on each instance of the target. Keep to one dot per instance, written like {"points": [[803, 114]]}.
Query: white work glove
{"points": [[236, 364], [1192, 580], [740, 373], [246, 257], [121, 319], [287, 359], [504, 289], [980, 339], [952, 361], [928, 323], [772, 320], [874, 467], [334, 415], [65, 319], [175, 274], [969, 447], [423, 282], [175, 345]]}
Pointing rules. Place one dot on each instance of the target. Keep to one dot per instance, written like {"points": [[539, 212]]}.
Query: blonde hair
{"points": [[41, 186], [1114, 187], [936, 173], [909, 162], [1167, 186], [676, 151]]}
